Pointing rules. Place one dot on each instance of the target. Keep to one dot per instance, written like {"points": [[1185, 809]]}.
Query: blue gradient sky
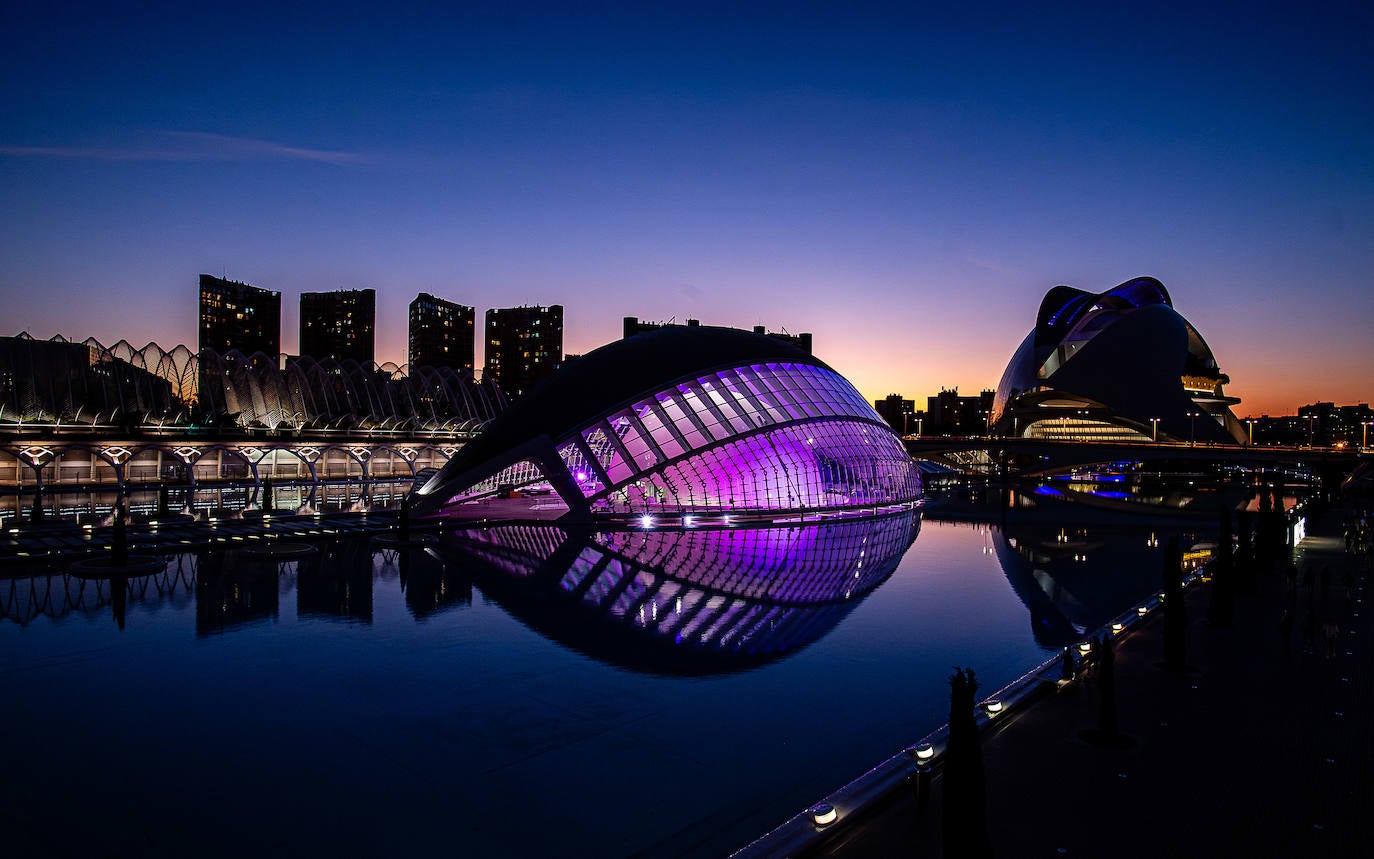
{"points": [[904, 184]]}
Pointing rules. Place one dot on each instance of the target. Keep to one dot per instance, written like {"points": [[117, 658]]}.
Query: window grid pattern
{"points": [[583, 473], [1078, 429], [793, 565], [516, 551], [672, 450], [523, 473], [746, 592], [823, 464]]}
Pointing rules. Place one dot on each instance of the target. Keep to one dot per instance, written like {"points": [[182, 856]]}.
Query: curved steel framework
{"points": [[68, 385], [757, 437]]}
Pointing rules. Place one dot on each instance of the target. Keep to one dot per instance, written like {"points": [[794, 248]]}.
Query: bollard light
{"points": [[823, 814], [993, 707], [1117, 628], [925, 753], [1142, 610], [1085, 648]]}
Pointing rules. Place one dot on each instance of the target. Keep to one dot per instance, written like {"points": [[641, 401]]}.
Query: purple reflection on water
{"points": [[697, 597]]}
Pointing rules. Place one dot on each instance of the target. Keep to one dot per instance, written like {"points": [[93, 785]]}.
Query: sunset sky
{"points": [[905, 183]]}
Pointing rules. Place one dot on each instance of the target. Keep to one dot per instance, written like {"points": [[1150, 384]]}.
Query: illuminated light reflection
{"points": [[700, 600]]}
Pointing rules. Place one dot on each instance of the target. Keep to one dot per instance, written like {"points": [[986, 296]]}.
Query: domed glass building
{"points": [[680, 421], [1120, 365]]}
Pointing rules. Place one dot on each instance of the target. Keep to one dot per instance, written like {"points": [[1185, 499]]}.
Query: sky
{"points": [[904, 181]]}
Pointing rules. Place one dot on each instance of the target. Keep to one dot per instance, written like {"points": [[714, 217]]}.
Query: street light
{"points": [[1251, 422], [1364, 442], [1311, 430], [1192, 420], [1155, 434]]}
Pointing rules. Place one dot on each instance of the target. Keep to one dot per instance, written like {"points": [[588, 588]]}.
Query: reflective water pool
{"points": [[525, 691]]}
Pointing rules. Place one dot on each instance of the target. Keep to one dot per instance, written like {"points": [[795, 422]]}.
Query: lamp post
{"points": [[1192, 421], [1311, 430], [1155, 430], [918, 426], [1364, 441], [1250, 422]]}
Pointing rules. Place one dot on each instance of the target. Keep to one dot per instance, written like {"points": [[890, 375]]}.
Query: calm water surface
{"points": [[522, 692]]}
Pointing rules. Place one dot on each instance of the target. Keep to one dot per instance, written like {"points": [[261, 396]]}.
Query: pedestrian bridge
{"points": [[1029, 457]]}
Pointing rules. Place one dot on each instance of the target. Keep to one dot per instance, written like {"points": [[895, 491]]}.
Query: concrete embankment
{"points": [[1261, 748]]}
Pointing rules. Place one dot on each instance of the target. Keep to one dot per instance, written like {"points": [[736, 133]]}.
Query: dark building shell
{"points": [[1116, 365]]}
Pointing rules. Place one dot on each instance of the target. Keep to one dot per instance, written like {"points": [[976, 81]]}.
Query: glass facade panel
{"points": [[583, 473], [626, 426], [600, 446], [830, 463], [653, 420]]}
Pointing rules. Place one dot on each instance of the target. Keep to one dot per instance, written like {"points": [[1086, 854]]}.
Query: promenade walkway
{"points": [[1262, 749]]}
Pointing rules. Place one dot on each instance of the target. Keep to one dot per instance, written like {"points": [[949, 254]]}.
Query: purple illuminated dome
{"points": [[1120, 365], [681, 421]]}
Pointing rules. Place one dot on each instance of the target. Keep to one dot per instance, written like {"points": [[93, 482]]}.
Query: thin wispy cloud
{"points": [[990, 265], [188, 146]]}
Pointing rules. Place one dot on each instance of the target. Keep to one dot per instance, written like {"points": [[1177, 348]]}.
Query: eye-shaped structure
{"points": [[678, 421], [1121, 365]]}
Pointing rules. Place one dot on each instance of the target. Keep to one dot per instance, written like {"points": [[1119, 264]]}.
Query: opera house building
{"points": [[680, 422], [1120, 365]]}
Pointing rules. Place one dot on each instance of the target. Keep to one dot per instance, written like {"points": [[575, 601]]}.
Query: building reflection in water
{"points": [[1076, 578], [430, 583], [232, 590], [24, 599], [692, 601], [336, 582]]}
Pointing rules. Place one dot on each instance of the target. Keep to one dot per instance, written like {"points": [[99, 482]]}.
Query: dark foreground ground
{"points": [[1261, 749]]}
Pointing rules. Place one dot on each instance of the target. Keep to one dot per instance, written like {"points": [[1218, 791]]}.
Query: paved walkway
{"points": [[1262, 750], [33, 550]]}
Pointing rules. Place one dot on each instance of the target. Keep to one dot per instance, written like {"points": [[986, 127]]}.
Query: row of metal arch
{"points": [[21, 457], [86, 383]]}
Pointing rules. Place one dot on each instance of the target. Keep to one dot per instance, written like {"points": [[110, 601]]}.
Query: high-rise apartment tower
{"points": [[235, 315], [339, 325], [442, 333], [524, 345]]}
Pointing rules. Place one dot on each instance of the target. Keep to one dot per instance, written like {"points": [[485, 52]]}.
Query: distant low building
{"points": [[949, 413], [634, 325], [1316, 423], [57, 381], [899, 413]]}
